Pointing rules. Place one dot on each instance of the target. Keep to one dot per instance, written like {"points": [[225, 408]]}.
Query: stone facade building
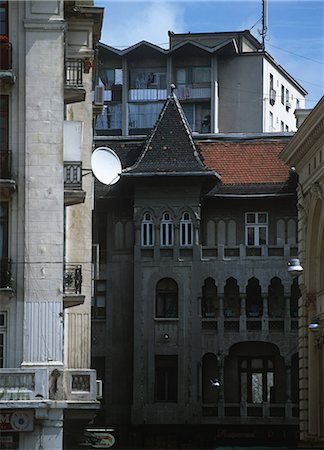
{"points": [[194, 315], [306, 153], [47, 52]]}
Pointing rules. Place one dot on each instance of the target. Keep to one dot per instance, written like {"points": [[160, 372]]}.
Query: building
{"points": [[225, 82], [306, 153], [47, 55], [195, 315]]}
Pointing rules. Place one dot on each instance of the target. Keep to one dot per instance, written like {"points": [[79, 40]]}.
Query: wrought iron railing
{"points": [[72, 175], [5, 56], [5, 164], [72, 279], [5, 273], [73, 72]]}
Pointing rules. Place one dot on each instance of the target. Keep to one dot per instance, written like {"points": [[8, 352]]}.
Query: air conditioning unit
{"points": [[99, 95], [99, 389]]}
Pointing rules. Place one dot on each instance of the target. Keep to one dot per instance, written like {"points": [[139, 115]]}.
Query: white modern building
{"points": [[225, 81], [46, 71]]}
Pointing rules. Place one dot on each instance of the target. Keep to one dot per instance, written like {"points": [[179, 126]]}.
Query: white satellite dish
{"points": [[106, 165]]}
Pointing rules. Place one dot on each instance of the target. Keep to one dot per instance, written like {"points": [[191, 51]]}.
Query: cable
{"points": [[296, 54]]}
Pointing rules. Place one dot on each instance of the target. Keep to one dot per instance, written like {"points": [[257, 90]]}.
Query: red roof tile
{"points": [[245, 162]]}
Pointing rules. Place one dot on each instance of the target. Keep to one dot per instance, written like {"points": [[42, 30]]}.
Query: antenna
{"points": [[106, 165], [264, 22]]}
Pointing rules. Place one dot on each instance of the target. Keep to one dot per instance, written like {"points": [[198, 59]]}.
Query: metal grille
{"points": [[72, 279], [73, 72]]}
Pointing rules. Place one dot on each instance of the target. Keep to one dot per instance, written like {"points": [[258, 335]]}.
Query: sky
{"points": [[295, 32]]}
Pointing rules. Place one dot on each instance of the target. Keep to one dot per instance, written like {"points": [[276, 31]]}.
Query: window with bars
{"points": [[147, 231], [257, 380], [256, 228], [186, 230], [166, 230]]}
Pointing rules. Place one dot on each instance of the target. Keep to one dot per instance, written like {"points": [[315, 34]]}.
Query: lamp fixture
{"points": [[166, 336], [214, 382], [314, 325], [294, 267]]}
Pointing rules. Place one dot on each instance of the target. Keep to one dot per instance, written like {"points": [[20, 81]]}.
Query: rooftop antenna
{"points": [[264, 30]]}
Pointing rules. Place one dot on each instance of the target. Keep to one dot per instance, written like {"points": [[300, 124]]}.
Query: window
{"points": [[166, 230], [257, 380], [256, 228], [186, 230], [111, 118], [4, 126], [209, 298], [99, 300], [110, 77], [144, 115], [166, 378], [287, 128], [148, 79], [198, 116], [287, 100], [193, 75], [282, 94], [4, 262], [147, 230], [4, 18], [271, 121], [3, 335], [282, 126], [254, 302], [166, 299], [272, 92]]}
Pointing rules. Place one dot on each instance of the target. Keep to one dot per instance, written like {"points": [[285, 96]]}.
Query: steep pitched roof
{"points": [[170, 150], [246, 162]]}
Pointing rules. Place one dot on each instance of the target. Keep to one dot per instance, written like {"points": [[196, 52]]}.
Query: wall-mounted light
{"points": [[294, 268], [314, 325], [214, 382], [166, 337]]}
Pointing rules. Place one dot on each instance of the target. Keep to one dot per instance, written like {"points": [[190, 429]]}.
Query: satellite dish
{"points": [[106, 165]]}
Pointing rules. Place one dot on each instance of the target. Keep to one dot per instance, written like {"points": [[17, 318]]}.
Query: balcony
{"points": [[7, 184], [193, 92], [33, 388], [6, 74], [72, 282], [245, 252], [73, 193], [73, 84]]}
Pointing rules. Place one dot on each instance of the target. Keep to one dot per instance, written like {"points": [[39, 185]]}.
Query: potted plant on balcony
{"points": [[4, 52]]}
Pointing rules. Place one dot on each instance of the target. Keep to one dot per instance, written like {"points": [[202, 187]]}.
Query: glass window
{"points": [[4, 18], [186, 231], [3, 335], [256, 228], [99, 300], [111, 117], [147, 231], [148, 78], [166, 299], [144, 115], [166, 231], [257, 380], [166, 378]]}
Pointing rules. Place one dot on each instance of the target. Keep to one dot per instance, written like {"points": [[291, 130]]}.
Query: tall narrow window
{"points": [[254, 305], [166, 378], [282, 94], [4, 129], [257, 380], [3, 335], [209, 298], [147, 230], [166, 230], [186, 231], [99, 300], [3, 18], [166, 299], [256, 228], [4, 262]]}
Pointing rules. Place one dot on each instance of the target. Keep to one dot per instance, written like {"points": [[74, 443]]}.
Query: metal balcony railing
{"points": [[5, 164], [73, 72], [5, 273], [72, 175], [5, 55], [72, 279]]}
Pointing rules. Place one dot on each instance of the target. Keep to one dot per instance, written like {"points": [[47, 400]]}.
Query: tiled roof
{"points": [[246, 161]]}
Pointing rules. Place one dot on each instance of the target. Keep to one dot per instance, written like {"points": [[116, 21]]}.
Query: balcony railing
{"points": [[136, 95], [187, 92], [72, 175], [72, 279], [5, 56], [5, 164], [5, 273], [73, 72]]}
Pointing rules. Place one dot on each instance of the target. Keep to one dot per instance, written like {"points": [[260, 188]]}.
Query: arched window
{"points": [[186, 230], [147, 230], [254, 304], [166, 230], [209, 298], [166, 299], [276, 300], [232, 306]]}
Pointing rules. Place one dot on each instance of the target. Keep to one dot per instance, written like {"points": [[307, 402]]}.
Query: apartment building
{"points": [[306, 152], [194, 315], [224, 81], [46, 73]]}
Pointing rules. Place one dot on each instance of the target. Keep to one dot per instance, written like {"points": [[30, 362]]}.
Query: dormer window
{"points": [[147, 230]]}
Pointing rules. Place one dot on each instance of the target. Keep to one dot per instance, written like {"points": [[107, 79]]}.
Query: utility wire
{"points": [[296, 54]]}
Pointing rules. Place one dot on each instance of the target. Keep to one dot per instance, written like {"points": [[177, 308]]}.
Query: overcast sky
{"points": [[295, 29]]}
